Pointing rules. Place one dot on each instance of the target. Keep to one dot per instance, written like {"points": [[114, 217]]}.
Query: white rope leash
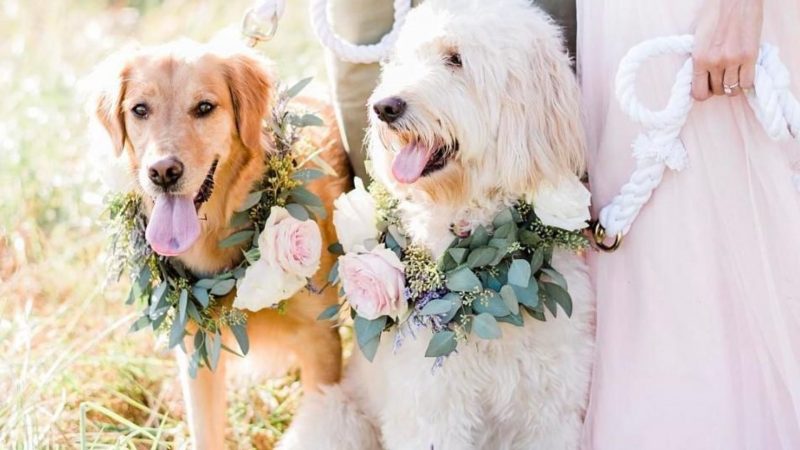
{"points": [[659, 147], [350, 52]]}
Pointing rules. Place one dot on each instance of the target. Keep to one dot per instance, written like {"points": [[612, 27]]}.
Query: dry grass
{"points": [[67, 360]]}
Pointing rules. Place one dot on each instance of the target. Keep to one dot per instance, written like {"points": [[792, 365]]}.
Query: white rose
{"points": [[565, 206], [264, 286], [290, 254], [354, 217]]}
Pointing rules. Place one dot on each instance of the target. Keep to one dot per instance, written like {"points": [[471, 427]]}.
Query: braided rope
{"points": [[347, 51], [659, 146]]}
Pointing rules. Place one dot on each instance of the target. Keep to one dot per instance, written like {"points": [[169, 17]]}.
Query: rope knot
{"points": [[671, 152]]}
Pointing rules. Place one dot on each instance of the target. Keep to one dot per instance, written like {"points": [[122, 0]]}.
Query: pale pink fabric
{"points": [[698, 327]]}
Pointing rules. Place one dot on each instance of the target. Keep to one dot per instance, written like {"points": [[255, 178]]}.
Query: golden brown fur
{"points": [[171, 79]]}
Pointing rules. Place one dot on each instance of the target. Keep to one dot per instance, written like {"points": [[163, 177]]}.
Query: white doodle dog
{"points": [[477, 107]]}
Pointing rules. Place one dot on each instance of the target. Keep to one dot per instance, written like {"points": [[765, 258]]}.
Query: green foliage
{"points": [[488, 277]]}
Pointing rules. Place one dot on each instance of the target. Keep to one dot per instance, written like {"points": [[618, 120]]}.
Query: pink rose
{"points": [[293, 245], [290, 253], [374, 282]]}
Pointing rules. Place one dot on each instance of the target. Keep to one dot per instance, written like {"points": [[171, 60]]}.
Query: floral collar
{"points": [[487, 275], [172, 297]]}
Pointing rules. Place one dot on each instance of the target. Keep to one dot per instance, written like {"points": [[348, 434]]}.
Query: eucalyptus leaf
{"points": [[176, 332], [529, 295], [480, 237], [458, 254], [316, 212], [239, 219], [183, 300], [201, 295], [297, 87], [513, 319], [370, 348], [223, 287], [336, 248], [447, 262], [505, 217], [366, 330], [307, 120], [509, 296], [214, 350], [442, 344], [330, 312], [305, 197], [537, 260], [529, 238], [519, 273], [158, 294], [144, 277], [333, 275], [206, 283], [560, 296], [236, 239], [557, 278], [298, 211], [455, 306], [193, 312], [240, 333], [462, 280], [493, 304], [481, 257], [435, 307], [306, 175], [486, 327], [251, 200], [141, 322]]}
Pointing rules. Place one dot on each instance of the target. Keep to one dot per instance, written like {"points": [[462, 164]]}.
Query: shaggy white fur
{"points": [[489, 82]]}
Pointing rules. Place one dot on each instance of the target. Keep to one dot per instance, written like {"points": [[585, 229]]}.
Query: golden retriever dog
{"points": [[172, 111]]}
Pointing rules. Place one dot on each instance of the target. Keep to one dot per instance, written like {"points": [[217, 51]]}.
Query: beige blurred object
{"points": [[366, 22]]}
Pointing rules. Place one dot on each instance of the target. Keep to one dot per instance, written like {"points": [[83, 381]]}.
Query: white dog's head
{"points": [[477, 100]]}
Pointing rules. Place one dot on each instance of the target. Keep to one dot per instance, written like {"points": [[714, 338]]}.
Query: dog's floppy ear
{"points": [[250, 85], [540, 119], [105, 104]]}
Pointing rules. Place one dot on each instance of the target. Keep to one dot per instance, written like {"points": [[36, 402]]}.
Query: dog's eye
{"points": [[204, 108], [141, 111], [454, 59]]}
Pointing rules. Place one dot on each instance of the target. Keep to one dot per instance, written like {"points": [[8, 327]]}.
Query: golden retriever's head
{"points": [[478, 98], [182, 112]]}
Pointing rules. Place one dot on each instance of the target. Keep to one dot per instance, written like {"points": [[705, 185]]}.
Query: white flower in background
{"points": [[565, 206], [374, 283], [290, 254], [354, 217]]}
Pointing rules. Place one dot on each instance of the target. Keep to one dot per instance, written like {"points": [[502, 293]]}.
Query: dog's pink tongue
{"points": [[173, 225], [410, 163]]}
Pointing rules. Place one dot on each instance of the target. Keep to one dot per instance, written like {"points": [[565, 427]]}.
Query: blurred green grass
{"points": [[63, 331]]}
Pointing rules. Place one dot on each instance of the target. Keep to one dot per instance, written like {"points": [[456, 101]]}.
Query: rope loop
{"points": [[347, 51], [659, 146]]}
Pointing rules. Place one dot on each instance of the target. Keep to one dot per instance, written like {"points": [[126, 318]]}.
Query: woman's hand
{"points": [[727, 39]]}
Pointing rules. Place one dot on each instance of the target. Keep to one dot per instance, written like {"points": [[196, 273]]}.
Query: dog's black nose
{"points": [[166, 172], [389, 109]]}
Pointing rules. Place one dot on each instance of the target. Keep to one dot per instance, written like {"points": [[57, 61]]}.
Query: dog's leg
{"points": [[206, 401], [319, 357], [334, 417]]}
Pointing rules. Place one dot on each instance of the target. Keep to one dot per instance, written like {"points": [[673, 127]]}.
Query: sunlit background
{"points": [[70, 374]]}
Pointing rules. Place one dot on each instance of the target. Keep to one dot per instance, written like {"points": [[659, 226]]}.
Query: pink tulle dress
{"points": [[698, 314]]}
